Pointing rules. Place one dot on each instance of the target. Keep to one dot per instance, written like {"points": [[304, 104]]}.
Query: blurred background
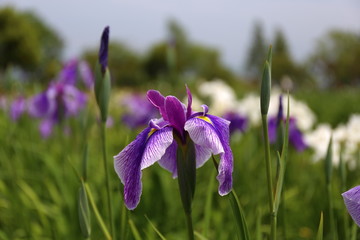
{"points": [[218, 49]]}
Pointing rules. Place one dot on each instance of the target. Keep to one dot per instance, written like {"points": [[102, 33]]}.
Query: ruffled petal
{"points": [[128, 167], [226, 158], [156, 146], [168, 160], [352, 202], [176, 113], [158, 101]]}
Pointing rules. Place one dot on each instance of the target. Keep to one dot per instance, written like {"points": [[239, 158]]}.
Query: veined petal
{"points": [[175, 113], [203, 133], [226, 158], [352, 202], [148, 147], [202, 155], [128, 167], [168, 160], [158, 100], [156, 146]]}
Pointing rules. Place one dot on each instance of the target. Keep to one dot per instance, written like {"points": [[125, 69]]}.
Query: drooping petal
{"points": [[202, 155], [168, 160], [158, 100], [148, 147], [352, 202], [127, 165], [175, 113], [156, 146], [203, 133], [226, 158]]}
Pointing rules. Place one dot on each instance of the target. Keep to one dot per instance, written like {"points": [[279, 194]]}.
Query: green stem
{"points": [[97, 214], [331, 213], [268, 175], [108, 189], [189, 226]]}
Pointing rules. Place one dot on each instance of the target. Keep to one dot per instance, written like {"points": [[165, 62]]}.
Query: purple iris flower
{"points": [[295, 136], [17, 108], [237, 122], [74, 70], [139, 111], [352, 202], [58, 102], [157, 143]]}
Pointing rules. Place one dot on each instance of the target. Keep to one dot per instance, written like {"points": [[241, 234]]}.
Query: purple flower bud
{"points": [[103, 51], [352, 202]]}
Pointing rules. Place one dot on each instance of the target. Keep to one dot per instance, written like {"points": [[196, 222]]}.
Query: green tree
{"points": [[184, 57], [27, 42], [336, 58], [256, 53], [18, 41]]}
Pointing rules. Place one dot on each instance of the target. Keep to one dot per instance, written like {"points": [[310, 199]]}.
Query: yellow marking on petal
{"points": [[152, 132], [206, 119]]}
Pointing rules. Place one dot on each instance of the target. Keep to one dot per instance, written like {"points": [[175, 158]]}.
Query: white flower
{"points": [[222, 96], [318, 140]]}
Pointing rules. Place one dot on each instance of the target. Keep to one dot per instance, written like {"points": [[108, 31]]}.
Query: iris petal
{"points": [[128, 167], [204, 134], [158, 100], [156, 146], [145, 150], [226, 159], [175, 113], [352, 202], [168, 160]]}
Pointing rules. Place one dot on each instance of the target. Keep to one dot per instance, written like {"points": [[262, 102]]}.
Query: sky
{"points": [[226, 25]]}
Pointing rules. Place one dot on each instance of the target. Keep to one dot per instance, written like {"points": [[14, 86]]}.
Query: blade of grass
{"points": [[208, 204], [242, 229], [199, 236], [155, 229], [319, 235], [134, 230]]}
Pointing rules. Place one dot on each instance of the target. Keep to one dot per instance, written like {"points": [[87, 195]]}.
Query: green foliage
{"points": [[256, 52], [27, 42], [124, 63], [191, 60], [18, 41], [336, 58]]}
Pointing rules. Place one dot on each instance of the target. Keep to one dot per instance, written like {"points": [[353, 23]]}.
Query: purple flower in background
{"points": [[295, 136], [237, 121], [139, 111], [74, 70], [352, 202], [103, 51], [156, 143], [17, 108], [58, 102]]}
